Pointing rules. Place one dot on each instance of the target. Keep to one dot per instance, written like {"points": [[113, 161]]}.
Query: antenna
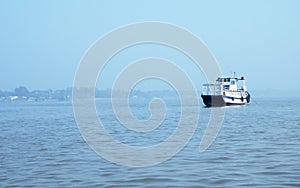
{"points": [[233, 74]]}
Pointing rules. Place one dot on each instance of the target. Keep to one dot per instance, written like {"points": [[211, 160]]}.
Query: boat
{"points": [[225, 91]]}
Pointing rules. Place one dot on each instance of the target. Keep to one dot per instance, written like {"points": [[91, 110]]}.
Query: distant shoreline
{"points": [[23, 94]]}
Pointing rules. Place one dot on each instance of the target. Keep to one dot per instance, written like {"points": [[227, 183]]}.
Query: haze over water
{"points": [[43, 43]]}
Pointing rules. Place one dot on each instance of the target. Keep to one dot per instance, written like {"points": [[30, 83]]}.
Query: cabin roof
{"points": [[242, 78]]}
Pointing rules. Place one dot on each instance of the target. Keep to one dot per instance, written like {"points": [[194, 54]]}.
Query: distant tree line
{"points": [[23, 94]]}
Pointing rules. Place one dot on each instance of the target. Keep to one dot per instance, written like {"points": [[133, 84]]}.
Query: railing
{"points": [[211, 89]]}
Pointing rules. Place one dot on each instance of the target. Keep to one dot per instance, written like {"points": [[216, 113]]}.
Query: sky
{"points": [[43, 42]]}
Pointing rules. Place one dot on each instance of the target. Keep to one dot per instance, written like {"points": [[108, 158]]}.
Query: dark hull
{"points": [[213, 100], [218, 100]]}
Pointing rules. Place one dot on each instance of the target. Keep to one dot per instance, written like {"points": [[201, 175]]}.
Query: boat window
{"points": [[232, 82]]}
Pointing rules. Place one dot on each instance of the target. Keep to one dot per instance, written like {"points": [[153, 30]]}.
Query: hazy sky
{"points": [[42, 42]]}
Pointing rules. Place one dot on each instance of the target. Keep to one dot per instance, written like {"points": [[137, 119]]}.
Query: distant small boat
{"points": [[226, 91]]}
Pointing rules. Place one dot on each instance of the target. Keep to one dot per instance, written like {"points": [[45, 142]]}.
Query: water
{"points": [[258, 146]]}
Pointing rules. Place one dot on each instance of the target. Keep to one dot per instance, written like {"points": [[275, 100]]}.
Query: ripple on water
{"points": [[41, 146]]}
